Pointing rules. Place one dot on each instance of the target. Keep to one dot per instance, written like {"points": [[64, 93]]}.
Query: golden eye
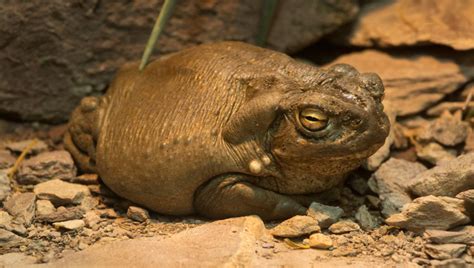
{"points": [[313, 119]]}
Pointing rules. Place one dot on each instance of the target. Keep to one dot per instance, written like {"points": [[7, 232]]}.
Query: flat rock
{"points": [[5, 188], [69, 225], [412, 83], [8, 223], [366, 220], [447, 179], [61, 193], [44, 207], [390, 183], [430, 212], [16, 260], [22, 207], [6, 159], [19, 146], [226, 243], [446, 251], [344, 226], [448, 129], [10, 240], [435, 153], [323, 214], [62, 214], [320, 241], [448, 106], [47, 166], [468, 197], [447, 237], [406, 23], [296, 226], [137, 214]]}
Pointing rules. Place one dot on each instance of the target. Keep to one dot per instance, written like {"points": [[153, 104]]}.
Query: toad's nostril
{"points": [[373, 83], [345, 69]]}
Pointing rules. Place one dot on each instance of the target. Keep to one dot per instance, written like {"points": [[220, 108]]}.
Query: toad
{"points": [[228, 129]]}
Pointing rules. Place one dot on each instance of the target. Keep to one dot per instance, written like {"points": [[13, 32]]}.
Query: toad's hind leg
{"points": [[234, 195], [81, 137]]}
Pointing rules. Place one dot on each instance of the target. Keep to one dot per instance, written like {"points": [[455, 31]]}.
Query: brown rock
{"points": [[234, 246], [137, 214], [61, 193], [391, 180], [447, 237], [412, 84], [296, 226], [44, 207], [406, 22], [47, 166], [62, 214], [16, 259], [448, 106], [468, 197], [86, 179], [435, 153], [324, 215], [22, 206], [446, 251], [6, 159], [320, 241], [430, 212], [344, 226], [19, 146], [448, 179], [448, 130], [10, 240], [5, 188], [42, 78], [69, 225]]}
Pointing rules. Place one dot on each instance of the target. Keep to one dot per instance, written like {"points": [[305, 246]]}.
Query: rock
{"points": [[61, 193], [8, 223], [412, 83], [447, 106], [91, 219], [447, 129], [137, 214], [468, 197], [47, 166], [435, 153], [16, 260], [22, 207], [344, 226], [446, 251], [44, 207], [296, 226], [406, 23], [10, 240], [358, 184], [47, 79], [19, 146], [430, 212], [448, 237], [86, 179], [235, 246], [320, 241], [391, 180], [6, 159], [69, 225], [324, 215], [5, 188], [62, 214], [450, 263], [448, 179], [365, 219]]}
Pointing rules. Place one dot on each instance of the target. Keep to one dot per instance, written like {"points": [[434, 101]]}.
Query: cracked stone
{"points": [[61, 193], [446, 251], [323, 214], [47, 166], [296, 226], [435, 153], [22, 207]]}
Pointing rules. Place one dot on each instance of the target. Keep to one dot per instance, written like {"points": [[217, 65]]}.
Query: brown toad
{"points": [[228, 129]]}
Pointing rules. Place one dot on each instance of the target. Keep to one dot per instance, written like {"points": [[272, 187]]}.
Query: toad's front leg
{"points": [[235, 195]]}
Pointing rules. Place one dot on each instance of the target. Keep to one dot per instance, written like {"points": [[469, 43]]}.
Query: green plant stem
{"points": [[165, 14], [268, 11]]}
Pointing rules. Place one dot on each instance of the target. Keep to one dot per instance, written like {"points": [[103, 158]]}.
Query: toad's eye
{"points": [[313, 119]]}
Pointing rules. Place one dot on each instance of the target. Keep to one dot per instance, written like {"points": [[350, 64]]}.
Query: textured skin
{"points": [[214, 130]]}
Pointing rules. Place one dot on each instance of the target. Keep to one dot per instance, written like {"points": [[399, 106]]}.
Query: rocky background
{"points": [[411, 204]]}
